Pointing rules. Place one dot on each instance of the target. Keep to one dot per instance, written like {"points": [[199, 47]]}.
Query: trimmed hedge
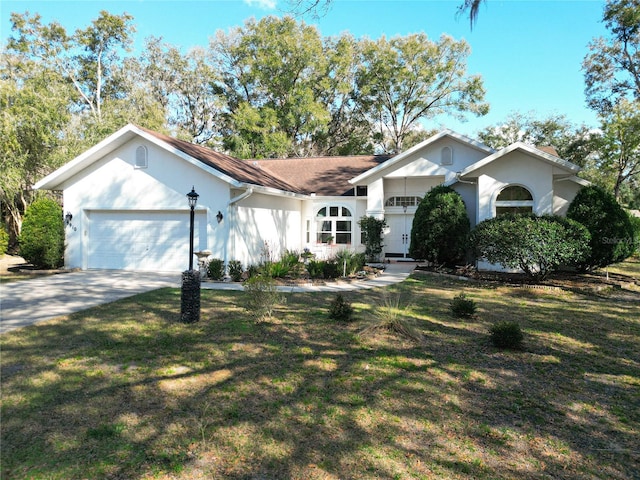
{"points": [[42, 236], [536, 245]]}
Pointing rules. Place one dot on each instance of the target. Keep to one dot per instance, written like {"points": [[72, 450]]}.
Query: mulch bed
{"points": [[597, 283]]}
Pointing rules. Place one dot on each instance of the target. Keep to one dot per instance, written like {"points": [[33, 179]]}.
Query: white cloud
{"points": [[263, 4]]}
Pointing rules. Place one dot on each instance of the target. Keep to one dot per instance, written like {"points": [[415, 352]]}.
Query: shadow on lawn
{"points": [[125, 392]]}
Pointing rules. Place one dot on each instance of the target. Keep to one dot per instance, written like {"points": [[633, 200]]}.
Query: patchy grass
{"points": [[124, 391], [629, 268]]}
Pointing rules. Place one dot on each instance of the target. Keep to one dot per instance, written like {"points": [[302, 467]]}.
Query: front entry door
{"points": [[397, 240]]}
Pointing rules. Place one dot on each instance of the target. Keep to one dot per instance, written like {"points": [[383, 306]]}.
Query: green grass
{"points": [[124, 391]]}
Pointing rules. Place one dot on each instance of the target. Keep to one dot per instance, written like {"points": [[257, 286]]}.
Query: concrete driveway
{"points": [[32, 301]]}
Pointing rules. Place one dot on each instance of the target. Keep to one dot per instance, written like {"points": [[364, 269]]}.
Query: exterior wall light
{"points": [[219, 216]]}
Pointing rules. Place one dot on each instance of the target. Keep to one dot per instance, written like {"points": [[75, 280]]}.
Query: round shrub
{"points": [[42, 236], [215, 269], [535, 245], [4, 241], [461, 306], [330, 269], [340, 309], [440, 227], [506, 334], [609, 225]]}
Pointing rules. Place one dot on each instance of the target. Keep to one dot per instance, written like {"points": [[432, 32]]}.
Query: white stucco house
{"points": [[128, 206]]}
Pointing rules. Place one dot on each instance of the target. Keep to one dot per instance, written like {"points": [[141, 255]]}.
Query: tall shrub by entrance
{"points": [[440, 228]]}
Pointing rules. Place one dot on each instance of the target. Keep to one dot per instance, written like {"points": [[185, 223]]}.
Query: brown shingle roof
{"points": [[548, 149], [321, 175], [240, 170]]}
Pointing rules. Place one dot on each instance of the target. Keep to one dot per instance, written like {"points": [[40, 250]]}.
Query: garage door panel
{"points": [[142, 241]]}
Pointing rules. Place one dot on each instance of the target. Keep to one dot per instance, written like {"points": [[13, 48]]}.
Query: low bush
{"points": [[349, 262], [340, 309], [235, 270], [277, 270], [215, 269], [290, 258], [461, 306], [42, 236], [331, 269], [506, 334], [536, 245], [315, 268], [253, 270], [261, 297]]}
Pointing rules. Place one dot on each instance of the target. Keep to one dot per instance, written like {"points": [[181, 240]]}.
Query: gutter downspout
{"points": [[458, 179], [231, 224]]}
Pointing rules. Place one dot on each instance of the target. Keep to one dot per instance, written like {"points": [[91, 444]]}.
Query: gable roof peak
{"points": [[432, 139]]}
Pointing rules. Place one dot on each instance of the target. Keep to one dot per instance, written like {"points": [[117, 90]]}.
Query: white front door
{"points": [[397, 240]]}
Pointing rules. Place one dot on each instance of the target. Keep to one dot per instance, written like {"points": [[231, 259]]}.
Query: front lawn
{"points": [[123, 391]]}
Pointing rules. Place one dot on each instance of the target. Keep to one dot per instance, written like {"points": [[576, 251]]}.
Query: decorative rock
{"points": [[190, 299]]}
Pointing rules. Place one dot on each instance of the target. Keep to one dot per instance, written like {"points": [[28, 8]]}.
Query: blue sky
{"points": [[529, 53]]}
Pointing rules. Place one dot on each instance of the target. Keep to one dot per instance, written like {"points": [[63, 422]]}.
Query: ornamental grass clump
{"points": [[462, 307], [340, 309], [389, 317], [507, 335]]}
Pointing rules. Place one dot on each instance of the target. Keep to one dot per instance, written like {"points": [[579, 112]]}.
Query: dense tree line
{"points": [[271, 88]]}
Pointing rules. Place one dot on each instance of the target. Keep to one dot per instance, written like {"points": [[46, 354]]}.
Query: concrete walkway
{"points": [[394, 273], [31, 301]]}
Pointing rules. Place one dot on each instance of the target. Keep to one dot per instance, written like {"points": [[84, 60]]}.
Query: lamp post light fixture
{"points": [[190, 299], [192, 197]]}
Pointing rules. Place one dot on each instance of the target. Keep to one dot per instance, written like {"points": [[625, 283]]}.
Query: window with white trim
{"points": [[514, 199], [141, 157], [405, 201], [334, 225]]}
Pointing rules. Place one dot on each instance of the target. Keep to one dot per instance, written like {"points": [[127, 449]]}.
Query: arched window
{"points": [[514, 199], [446, 156], [141, 157], [333, 225]]}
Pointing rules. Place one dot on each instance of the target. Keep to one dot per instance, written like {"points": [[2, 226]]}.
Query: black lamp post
{"points": [[192, 197], [190, 301]]}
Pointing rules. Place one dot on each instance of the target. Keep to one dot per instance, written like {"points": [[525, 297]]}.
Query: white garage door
{"points": [[142, 241]]}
